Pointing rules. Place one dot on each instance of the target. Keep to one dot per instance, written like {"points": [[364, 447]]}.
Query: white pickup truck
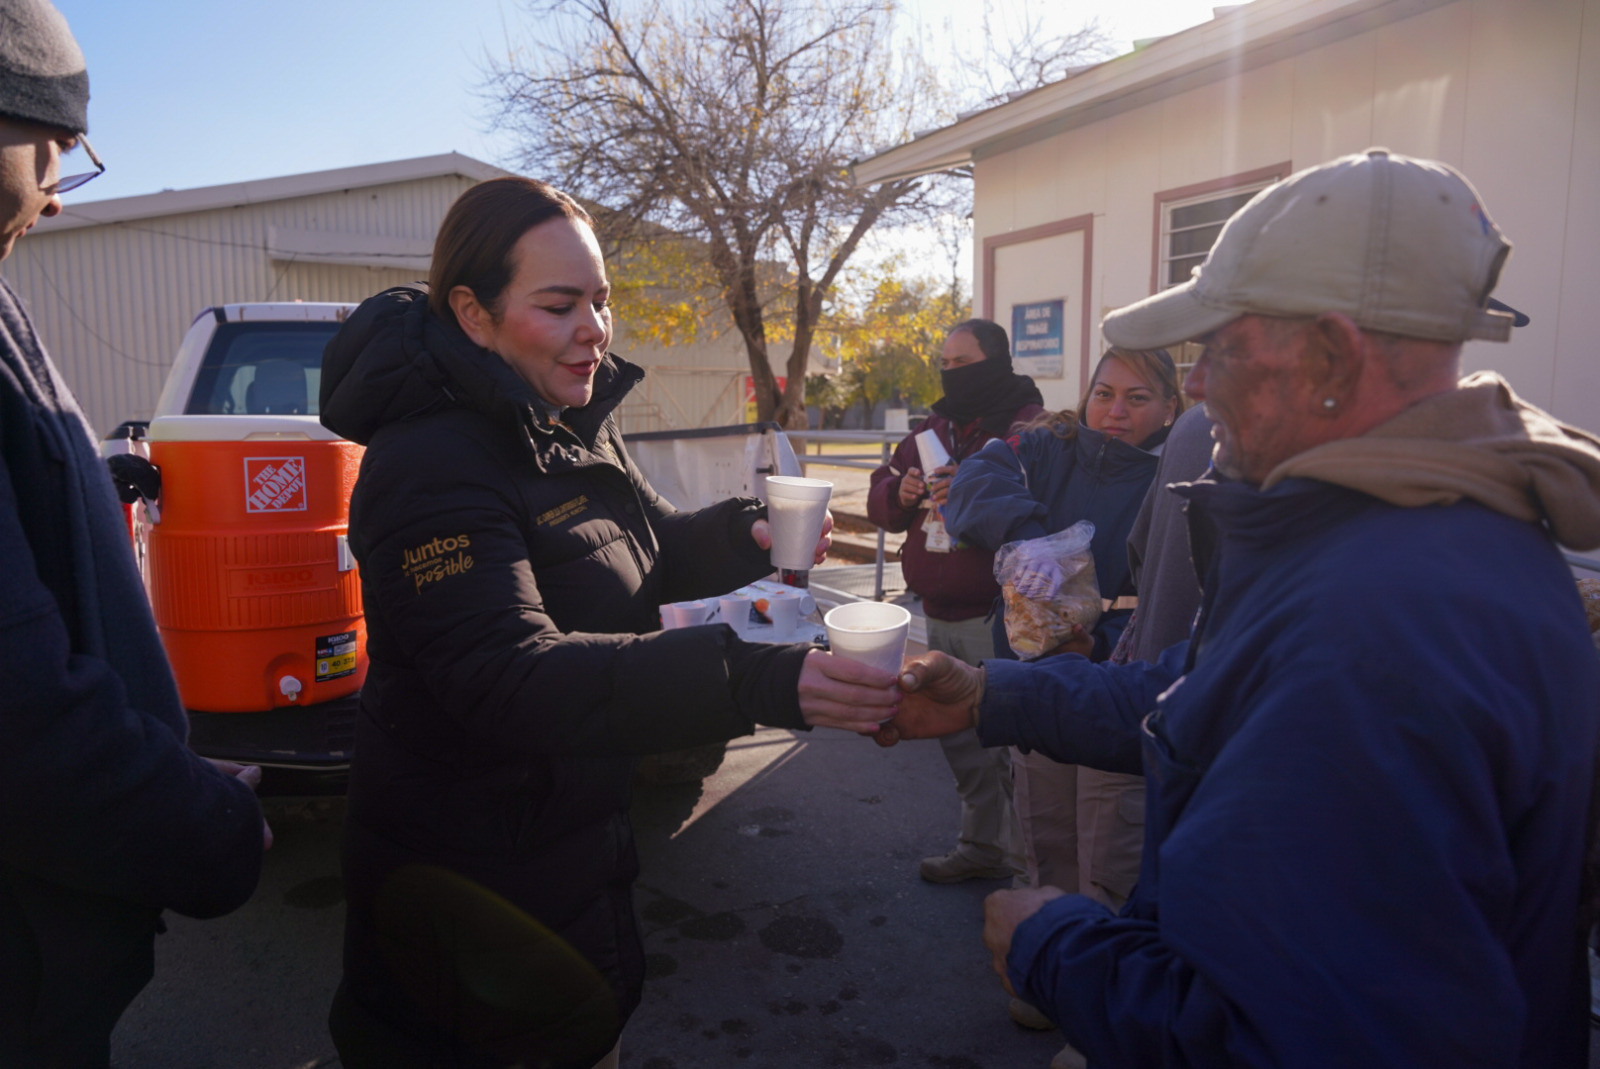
{"points": [[243, 546]]}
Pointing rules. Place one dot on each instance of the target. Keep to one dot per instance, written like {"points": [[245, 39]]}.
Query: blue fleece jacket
{"points": [[1036, 484], [1366, 800]]}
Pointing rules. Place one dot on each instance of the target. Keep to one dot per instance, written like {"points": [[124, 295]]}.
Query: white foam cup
{"points": [[684, 614], [783, 609], [734, 610], [931, 452], [795, 510], [870, 632]]}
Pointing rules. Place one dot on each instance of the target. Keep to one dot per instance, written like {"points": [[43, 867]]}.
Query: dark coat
{"points": [[1036, 484], [512, 569], [958, 585], [1366, 805], [106, 816]]}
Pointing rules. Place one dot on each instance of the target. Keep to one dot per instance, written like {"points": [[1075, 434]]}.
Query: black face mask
{"points": [[972, 390]]}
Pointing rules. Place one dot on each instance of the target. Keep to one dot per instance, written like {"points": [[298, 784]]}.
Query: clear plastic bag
{"points": [[1049, 586]]}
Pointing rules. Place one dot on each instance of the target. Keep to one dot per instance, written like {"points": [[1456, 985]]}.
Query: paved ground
{"points": [[788, 929], [785, 926]]}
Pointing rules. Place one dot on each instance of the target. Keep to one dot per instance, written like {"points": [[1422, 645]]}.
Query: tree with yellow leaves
{"points": [[889, 341]]}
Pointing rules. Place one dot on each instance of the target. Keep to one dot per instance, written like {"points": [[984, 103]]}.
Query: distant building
{"points": [[113, 284], [1111, 184]]}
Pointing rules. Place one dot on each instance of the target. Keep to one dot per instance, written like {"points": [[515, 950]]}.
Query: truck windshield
{"points": [[261, 369]]}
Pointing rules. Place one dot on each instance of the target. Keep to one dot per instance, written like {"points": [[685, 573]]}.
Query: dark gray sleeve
{"points": [[97, 793]]}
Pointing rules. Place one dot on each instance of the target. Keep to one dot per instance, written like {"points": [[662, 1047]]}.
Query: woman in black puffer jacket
{"points": [[513, 560]]}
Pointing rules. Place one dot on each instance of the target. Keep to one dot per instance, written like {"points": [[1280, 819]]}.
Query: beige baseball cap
{"points": [[1397, 244]]}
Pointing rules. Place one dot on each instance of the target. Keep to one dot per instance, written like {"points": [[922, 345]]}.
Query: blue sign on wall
{"points": [[1036, 346]]}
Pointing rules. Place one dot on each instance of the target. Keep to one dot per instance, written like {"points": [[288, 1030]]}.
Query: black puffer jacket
{"points": [[511, 570]]}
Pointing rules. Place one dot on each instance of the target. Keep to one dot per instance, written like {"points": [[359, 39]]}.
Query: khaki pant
{"points": [[1082, 829], [989, 833]]}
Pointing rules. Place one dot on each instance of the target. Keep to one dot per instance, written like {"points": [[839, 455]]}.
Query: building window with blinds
{"points": [[1188, 221], [1191, 228]]}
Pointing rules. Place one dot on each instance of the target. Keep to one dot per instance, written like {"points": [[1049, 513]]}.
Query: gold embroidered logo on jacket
{"points": [[436, 560], [564, 511]]}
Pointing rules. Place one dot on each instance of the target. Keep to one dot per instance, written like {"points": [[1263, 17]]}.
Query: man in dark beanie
{"points": [[983, 397], [106, 816]]}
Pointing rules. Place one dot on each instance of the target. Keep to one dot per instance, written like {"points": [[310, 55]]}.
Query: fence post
{"points": [[877, 579]]}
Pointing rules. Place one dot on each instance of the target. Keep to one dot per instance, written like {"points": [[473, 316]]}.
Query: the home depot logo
{"points": [[274, 484]]}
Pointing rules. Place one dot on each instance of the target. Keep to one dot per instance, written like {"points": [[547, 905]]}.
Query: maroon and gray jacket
{"points": [[958, 585]]}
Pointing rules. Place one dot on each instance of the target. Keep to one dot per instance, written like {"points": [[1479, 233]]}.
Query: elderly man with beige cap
{"points": [[1370, 768]]}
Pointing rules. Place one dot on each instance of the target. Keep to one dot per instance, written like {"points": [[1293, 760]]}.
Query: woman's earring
{"points": [[1329, 403]]}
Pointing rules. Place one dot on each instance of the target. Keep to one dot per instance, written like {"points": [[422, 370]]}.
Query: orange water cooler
{"points": [[254, 588]]}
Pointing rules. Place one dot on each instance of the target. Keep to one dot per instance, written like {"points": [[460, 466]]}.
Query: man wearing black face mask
{"points": [[983, 398]]}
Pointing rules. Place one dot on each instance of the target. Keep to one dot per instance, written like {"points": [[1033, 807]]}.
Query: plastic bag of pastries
{"points": [[1036, 626]]}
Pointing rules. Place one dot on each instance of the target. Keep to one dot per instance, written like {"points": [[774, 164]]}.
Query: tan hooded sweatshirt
{"points": [[1479, 441]]}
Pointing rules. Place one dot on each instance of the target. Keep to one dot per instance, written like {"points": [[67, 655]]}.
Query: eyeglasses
{"points": [[73, 181]]}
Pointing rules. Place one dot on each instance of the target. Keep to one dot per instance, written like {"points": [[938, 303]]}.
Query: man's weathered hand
{"points": [[1002, 912], [912, 488], [939, 696]]}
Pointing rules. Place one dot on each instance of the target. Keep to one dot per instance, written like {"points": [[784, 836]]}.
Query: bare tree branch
{"points": [[732, 123]]}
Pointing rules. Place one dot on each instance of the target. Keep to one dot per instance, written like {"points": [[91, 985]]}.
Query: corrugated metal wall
{"points": [[685, 386], [112, 302]]}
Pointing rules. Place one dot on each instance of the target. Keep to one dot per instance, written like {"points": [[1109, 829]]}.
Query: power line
{"points": [[44, 272]]}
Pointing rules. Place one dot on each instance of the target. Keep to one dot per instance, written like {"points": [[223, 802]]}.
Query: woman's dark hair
{"points": [[990, 336], [1154, 368], [475, 240]]}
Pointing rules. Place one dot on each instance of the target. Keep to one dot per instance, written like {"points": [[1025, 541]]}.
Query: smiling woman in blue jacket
{"points": [[1081, 828]]}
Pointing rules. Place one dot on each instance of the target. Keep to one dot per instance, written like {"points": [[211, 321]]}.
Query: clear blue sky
{"points": [[188, 93]]}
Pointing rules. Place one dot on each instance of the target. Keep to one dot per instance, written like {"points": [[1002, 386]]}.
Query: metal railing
{"points": [[884, 440]]}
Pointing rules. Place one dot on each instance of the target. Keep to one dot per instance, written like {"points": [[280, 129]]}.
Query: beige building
{"points": [[113, 285], [1100, 189]]}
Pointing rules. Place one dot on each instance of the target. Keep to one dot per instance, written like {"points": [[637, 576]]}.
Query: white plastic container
{"points": [[869, 632], [796, 508]]}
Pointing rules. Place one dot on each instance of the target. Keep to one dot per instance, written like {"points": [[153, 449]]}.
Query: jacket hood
{"points": [[1479, 441], [393, 359]]}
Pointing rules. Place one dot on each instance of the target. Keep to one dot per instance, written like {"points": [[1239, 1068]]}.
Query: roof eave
{"points": [[237, 194], [1250, 36]]}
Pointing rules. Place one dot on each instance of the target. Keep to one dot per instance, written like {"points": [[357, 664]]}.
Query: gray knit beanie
{"points": [[42, 77]]}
